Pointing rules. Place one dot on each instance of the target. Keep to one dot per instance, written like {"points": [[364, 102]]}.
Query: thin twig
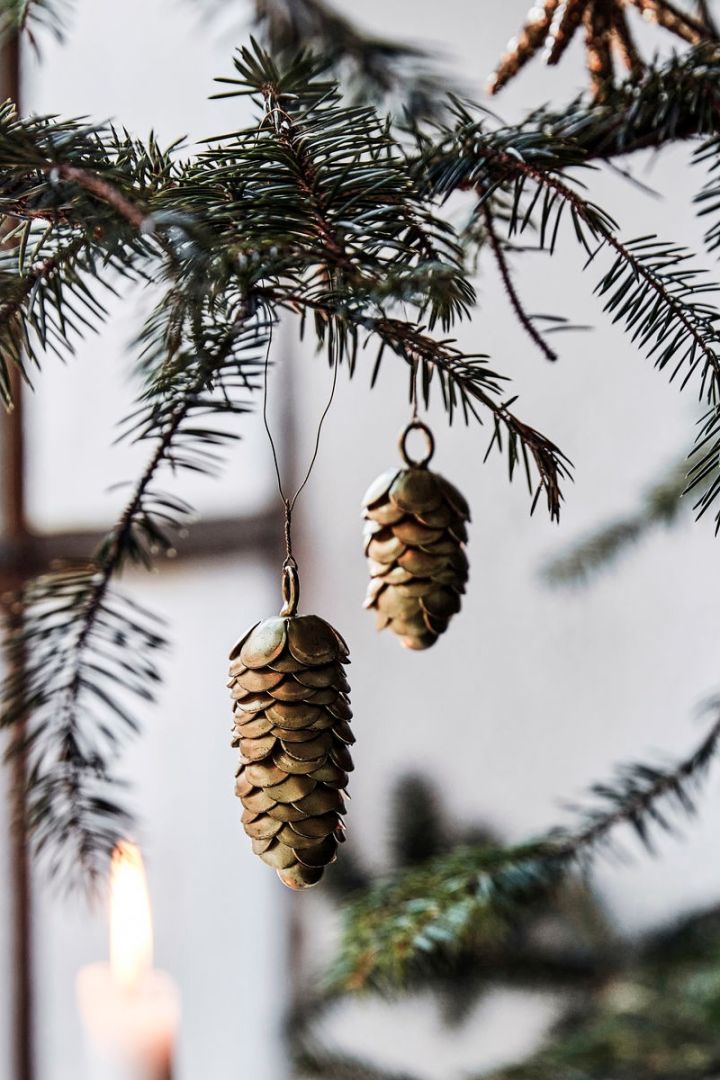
{"points": [[547, 179], [502, 264]]}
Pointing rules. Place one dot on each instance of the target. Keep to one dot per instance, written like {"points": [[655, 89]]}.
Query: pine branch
{"points": [[68, 690], [708, 199], [403, 923], [670, 102], [369, 244], [31, 17], [81, 648], [71, 199], [465, 382], [373, 69], [651, 287]]}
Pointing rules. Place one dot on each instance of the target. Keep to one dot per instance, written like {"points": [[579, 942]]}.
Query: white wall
{"points": [[532, 694], [539, 693], [219, 919]]}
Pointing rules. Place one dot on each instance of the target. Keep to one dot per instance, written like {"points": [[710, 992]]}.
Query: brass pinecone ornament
{"points": [[415, 534], [292, 716]]}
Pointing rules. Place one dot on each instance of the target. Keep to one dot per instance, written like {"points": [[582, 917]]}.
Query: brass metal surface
{"points": [[414, 537], [291, 724]]}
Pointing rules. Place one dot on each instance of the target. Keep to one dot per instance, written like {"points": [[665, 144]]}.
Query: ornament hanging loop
{"points": [[417, 425], [290, 587]]}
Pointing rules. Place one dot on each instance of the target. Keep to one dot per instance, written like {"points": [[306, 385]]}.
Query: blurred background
{"points": [[535, 691]]}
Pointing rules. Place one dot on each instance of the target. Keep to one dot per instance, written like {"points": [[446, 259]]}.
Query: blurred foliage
{"points": [[660, 507], [656, 1017], [400, 926], [648, 1010], [559, 938]]}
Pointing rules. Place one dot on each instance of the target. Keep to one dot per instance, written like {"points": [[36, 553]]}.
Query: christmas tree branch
{"points": [[675, 320], [32, 16], [103, 190], [23, 300], [70, 695], [351, 283], [406, 923], [670, 102], [67, 226], [650, 287]]}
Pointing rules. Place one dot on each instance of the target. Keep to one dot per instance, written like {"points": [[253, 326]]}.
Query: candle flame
{"points": [[131, 935]]}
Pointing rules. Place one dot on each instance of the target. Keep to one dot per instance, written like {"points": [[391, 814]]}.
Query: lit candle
{"points": [[129, 1009]]}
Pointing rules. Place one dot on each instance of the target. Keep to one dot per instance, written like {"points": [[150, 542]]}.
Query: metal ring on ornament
{"points": [[290, 587], [417, 425]]}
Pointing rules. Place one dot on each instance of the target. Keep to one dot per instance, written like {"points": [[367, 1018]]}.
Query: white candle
{"points": [[130, 1010]]}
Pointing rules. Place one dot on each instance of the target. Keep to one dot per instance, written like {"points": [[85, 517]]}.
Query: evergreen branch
{"points": [[658, 302], [661, 507], [506, 277], [68, 649], [464, 381], [66, 663], [103, 190], [408, 921], [708, 199], [650, 287], [23, 304], [368, 244], [68, 226], [30, 16], [668, 103], [373, 69]]}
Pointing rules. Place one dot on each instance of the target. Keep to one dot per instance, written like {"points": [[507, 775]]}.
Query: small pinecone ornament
{"points": [[415, 536], [292, 727]]}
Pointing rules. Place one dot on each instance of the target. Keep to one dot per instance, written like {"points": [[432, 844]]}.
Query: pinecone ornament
{"points": [[415, 534], [292, 727]]}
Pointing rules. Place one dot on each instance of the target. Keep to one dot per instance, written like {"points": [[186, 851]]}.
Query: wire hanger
{"points": [[290, 563]]}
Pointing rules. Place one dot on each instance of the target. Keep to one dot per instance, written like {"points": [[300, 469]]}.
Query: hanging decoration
{"points": [[415, 534], [291, 723]]}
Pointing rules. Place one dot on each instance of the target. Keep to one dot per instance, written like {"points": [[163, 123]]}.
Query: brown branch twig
{"points": [[515, 302], [547, 179]]}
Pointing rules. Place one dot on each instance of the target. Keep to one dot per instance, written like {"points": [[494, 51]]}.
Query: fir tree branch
{"points": [[373, 69], [103, 190], [357, 281], [32, 16], [465, 382], [674, 320], [79, 629], [650, 287], [19, 296], [670, 102], [406, 922]]}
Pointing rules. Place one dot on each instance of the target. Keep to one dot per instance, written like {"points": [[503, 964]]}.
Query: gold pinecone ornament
{"points": [[292, 717], [415, 534]]}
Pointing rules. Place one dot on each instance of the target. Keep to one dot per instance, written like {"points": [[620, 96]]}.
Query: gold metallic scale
{"points": [[415, 534], [292, 713]]}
